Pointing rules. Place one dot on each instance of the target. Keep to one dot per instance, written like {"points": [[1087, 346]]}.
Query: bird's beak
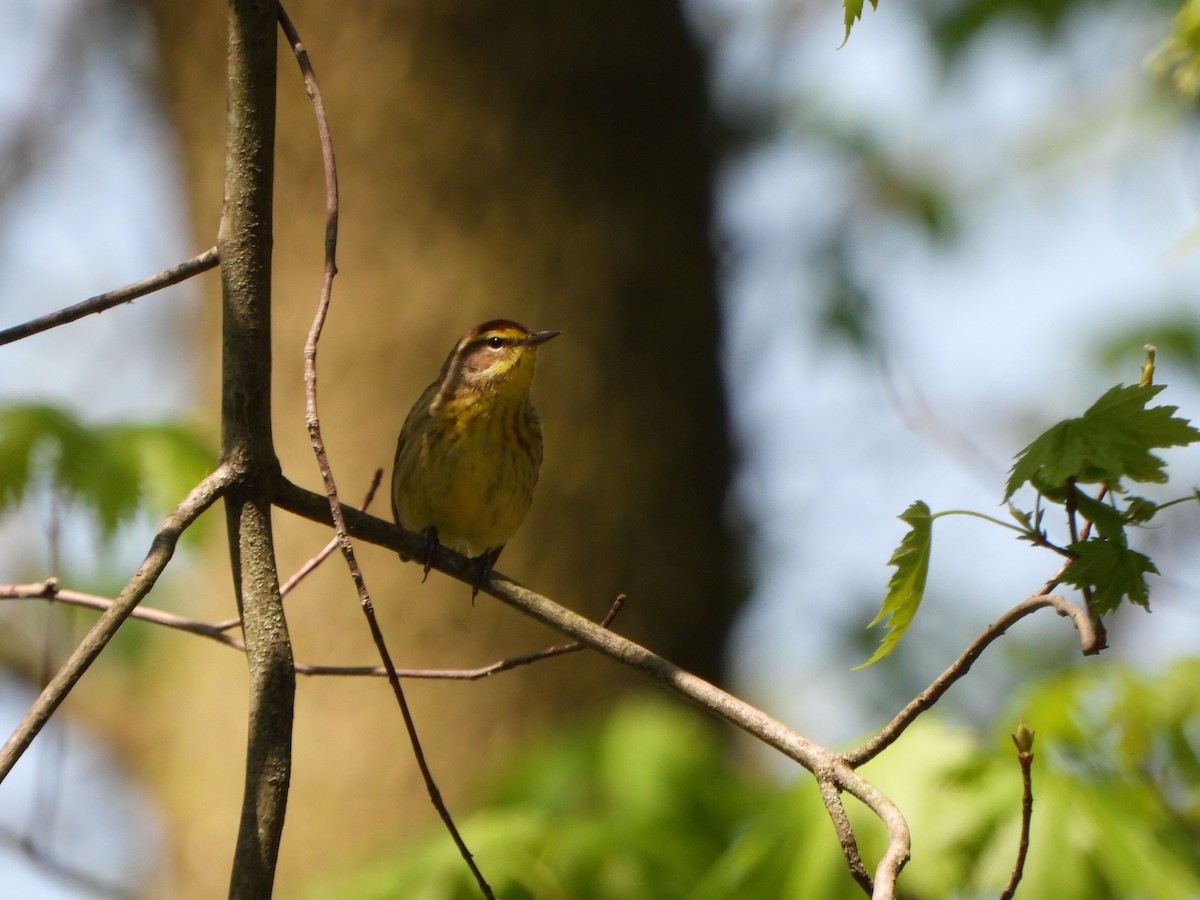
{"points": [[540, 337]]}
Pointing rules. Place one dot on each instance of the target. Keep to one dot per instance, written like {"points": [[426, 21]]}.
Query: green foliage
{"points": [[1106, 446], [112, 470], [907, 586], [1111, 571], [1115, 810], [648, 804], [1111, 441], [638, 805]]}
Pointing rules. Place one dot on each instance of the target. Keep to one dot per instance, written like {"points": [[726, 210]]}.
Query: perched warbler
{"points": [[470, 450]]}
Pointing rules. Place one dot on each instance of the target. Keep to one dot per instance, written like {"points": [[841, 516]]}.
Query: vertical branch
{"points": [[1023, 739], [244, 244]]}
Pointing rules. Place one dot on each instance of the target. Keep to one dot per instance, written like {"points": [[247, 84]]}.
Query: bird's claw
{"points": [[429, 551]]}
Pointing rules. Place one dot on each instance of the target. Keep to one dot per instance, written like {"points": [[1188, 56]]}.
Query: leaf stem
{"points": [[1190, 498], [978, 515]]}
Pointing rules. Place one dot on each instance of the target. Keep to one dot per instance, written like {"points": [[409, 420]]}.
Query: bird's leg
{"points": [[483, 564], [429, 550]]}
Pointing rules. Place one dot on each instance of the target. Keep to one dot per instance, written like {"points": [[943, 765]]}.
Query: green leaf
{"points": [[907, 586], [42, 440], [114, 471], [1112, 571], [1139, 510], [1108, 521], [1111, 441], [854, 9]]}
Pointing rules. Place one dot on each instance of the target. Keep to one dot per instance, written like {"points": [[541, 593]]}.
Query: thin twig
{"points": [[101, 302], [1097, 621], [887, 735], [161, 549], [1086, 532], [49, 590], [831, 795], [918, 414], [310, 566], [503, 665], [312, 420], [1025, 758]]}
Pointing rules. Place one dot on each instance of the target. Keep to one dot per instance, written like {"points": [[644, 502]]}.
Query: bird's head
{"points": [[496, 356]]}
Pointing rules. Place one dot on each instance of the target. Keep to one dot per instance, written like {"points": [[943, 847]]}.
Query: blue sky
{"points": [[1075, 183]]}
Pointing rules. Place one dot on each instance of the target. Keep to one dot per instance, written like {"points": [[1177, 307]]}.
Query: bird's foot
{"points": [[482, 565], [428, 551]]}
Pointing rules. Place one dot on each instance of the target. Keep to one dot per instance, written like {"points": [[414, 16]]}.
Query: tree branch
{"points": [[887, 735], [244, 242], [831, 796], [161, 550], [101, 302], [311, 565], [812, 756], [218, 632]]}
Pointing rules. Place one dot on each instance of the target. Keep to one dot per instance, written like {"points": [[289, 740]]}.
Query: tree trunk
{"points": [[544, 162]]}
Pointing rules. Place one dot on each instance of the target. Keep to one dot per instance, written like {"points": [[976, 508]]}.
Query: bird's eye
{"points": [[495, 342]]}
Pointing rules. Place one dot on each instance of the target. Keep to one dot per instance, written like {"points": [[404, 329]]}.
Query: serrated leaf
{"points": [[1110, 441], [1107, 521], [1139, 510], [1112, 572], [907, 585], [853, 12]]}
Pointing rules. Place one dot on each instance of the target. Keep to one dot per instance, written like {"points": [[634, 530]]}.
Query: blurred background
{"points": [[801, 285]]}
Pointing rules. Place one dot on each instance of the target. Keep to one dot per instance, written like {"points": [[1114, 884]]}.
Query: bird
{"points": [[469, 452]]}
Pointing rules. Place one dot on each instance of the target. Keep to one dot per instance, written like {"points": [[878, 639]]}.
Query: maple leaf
{"points": [[1110, 441], [907, 585]]}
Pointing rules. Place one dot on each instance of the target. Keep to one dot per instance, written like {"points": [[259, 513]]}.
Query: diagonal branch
{"points": [[311, 565], [161, 550], [887, 735], [816, 759], [101, 302]]}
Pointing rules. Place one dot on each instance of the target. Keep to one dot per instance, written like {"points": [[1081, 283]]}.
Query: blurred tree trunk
{"points": [[545, 162]]}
